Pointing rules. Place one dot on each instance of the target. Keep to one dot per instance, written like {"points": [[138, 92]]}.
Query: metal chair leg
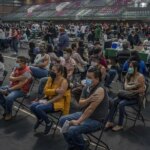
{"points": [[20, 104], [57, 124]]}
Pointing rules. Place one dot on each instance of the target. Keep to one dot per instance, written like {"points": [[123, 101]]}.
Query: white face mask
{"points": [[94, 63]]}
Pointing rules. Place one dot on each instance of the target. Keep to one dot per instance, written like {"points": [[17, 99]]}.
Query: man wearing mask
{"points": [[20, 80], [94, 102], [41, 63]]}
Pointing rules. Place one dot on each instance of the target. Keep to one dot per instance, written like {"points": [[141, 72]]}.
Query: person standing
{"points": [[14, 40]]}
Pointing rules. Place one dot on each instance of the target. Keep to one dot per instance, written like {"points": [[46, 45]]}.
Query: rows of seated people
{"points": [[72, 76]]}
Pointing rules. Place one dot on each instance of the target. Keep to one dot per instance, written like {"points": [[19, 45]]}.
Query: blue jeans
{"points": [[120, 103], [41, 86], [74, 136], [41, 110], [15, 45], [7, 101], [39, 72]]}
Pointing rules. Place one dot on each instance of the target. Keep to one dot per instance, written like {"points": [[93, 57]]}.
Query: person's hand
{"points": [[45, 102], [74, 123], [59, 91]]}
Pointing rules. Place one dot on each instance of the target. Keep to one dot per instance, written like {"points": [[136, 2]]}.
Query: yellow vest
{"points": [[63, 103]]}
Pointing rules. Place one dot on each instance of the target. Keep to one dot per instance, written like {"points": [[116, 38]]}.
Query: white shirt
{"points": [[2, 34]]}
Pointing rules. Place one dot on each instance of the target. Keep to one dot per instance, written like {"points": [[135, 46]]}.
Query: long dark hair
{"points": [[61, 69], [135, 65]]}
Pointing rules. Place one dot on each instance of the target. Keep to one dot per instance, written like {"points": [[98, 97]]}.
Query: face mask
{"points": [[66, 56], [88, 82], [53, 75], [94, 64], [17, 65], [130, 70]]}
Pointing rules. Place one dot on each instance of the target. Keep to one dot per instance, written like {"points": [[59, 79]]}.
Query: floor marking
{"points": [[26, 112]]}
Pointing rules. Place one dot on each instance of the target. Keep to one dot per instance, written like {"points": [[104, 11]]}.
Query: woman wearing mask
{"points": [[57, 97], [134, 82], [69, 62], [135, 57], [41, 63]]}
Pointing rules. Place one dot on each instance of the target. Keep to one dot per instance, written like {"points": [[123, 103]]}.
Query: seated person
{"points": [[69, 63], [80, 63], [97, 51], [57, 97], [135, 57], [50, 51], [33, 51], [112, 71], [23, 40], [95, 109], [41, 63], [20, 80], [2, 68], [123, 55], [95, 62], [147, 44], [134, 82]]}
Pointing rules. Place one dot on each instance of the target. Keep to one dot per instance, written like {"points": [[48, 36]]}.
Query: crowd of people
{"points": [[71, 72]]}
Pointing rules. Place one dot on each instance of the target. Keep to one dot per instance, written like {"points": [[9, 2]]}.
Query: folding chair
{"points": [[55, 117], [21, 102], [4, 77], [98, 143], [136, 114]]}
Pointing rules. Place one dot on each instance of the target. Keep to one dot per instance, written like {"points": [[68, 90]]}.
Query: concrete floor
{"points": [[18, 134]]}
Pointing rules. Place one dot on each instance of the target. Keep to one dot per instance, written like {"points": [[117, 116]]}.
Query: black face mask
{"points": [[52, 75]]}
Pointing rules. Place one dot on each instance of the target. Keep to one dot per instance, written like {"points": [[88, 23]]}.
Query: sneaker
{"points": [[8, 117], [117, 128], [37, 124], [109, 125], [48, 128]]}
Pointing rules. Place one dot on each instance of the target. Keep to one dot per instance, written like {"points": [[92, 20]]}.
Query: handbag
{"points": [[128, 95]]}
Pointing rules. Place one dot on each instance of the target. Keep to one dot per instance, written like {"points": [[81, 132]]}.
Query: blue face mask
{"points": [[17, 65], [88, 82], [130, 70]]}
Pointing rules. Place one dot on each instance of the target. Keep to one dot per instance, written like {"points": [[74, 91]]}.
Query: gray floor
{"points": [[18, 134]]}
